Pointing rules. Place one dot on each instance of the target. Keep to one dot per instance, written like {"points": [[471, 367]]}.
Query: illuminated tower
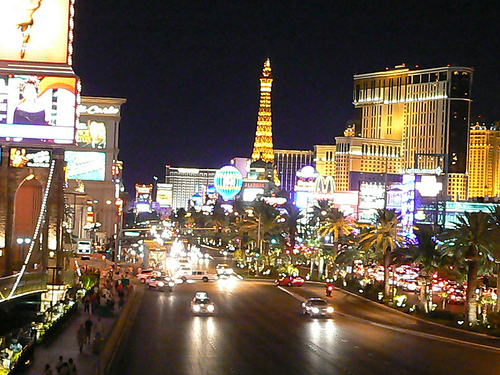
{"points": [[263, 145]]}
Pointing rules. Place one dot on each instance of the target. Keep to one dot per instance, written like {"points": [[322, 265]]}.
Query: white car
{"points": [[144, 275], [317, 307], [197, 275], [223, 269], [161, 283], [201, 304]]}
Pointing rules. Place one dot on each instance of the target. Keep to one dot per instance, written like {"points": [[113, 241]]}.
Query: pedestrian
{"points": [[86, 304], [72, 367], [65, 369], [88, 329], [47, 370], [98, 329], [59, 364], [81, 336]]}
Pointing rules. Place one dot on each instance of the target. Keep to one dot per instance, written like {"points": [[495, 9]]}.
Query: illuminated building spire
{"points": [[263, 145]]}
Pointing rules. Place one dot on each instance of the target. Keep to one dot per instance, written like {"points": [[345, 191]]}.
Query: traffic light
{"points": [[274, 240]]}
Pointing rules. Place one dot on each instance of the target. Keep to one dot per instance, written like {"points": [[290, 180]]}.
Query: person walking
{"points": [[81, 336], [72, 367], [47, 370], [59, 364], [98, 329], [88, 329]]}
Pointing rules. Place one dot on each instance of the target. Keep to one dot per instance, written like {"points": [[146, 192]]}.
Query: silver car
{"points": [[316, 307]]}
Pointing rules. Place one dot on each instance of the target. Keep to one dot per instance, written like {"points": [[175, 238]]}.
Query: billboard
{"points": [[35, 30], [29, 157], [38, 107], [228, 181], [91, 134], [85, 165], [164, 194]]}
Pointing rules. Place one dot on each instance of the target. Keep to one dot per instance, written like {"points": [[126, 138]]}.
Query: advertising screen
{"points": [[35, 30], [29, 157], [38, 107], [85, 165], [91, 134], [164, 194]]}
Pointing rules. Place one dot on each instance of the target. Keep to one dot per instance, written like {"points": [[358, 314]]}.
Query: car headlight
{"points": [[229, 271], [161, 283], [315, 310], [171, 284], [196, 308], [329, 310], [210, 308]]}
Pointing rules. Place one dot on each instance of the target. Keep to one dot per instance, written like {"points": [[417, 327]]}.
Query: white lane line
{"points": [[403, 330]]}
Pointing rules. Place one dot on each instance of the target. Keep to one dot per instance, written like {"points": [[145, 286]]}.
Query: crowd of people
{"points": [[61, 367]]}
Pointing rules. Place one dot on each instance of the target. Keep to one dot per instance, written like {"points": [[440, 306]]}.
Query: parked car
{"points": [[317, 307], [201, 304], [161, 283], [290, 280], [198, 275]]}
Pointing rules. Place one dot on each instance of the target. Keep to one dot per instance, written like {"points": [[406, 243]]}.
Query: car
{"points": [[223, 270], [201, 304], [198, 275], [316, 307], [144, 275], [162, 283], [290, 280]]}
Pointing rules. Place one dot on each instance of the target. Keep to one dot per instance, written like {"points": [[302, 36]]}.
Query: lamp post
{"points": [[22, 242]]}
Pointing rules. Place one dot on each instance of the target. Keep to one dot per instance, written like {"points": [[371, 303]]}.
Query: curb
{"points": [[120, 332]]}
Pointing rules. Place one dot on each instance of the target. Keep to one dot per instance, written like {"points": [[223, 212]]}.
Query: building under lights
{"points": [[409, 119], [288, 162], [484, 162], [186, 183]]}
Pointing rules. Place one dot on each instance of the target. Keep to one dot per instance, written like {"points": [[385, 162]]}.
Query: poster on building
{"points": [[35, 30], [91, 134], [85, 165], [29, 157]]}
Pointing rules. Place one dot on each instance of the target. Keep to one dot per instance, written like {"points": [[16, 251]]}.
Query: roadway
{"points": [[258, 328]]}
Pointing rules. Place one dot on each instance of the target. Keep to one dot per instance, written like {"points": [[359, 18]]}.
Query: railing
{"points": [[31, 282]]}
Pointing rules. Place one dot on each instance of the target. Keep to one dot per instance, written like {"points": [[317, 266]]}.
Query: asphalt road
{"points": [[259, 329]]}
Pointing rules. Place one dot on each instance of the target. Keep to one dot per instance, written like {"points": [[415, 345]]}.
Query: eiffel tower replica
{"points": [[262, 167]]}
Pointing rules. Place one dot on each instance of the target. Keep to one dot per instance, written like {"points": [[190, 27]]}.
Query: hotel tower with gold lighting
{"points": [[263, 145], [408, 119]]}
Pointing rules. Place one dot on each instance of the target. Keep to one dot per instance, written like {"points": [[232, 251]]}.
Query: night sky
{"points": [[190, 69]]}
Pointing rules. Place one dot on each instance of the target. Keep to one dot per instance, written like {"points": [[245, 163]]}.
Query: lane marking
{"points": [[403, 330]]}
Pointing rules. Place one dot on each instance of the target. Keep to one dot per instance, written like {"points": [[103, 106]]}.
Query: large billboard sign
{"points": [[37, 31], [38, 107], [91, 134], [164, 194], [85, 165], [29, 157]]}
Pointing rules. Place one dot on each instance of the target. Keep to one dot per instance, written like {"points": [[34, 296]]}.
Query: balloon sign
{"points": [[228, 182]]}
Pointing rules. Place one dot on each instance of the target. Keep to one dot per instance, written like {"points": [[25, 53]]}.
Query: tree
{"points": [[384, 238], [496, 248], [291, 221], [469, 241]]}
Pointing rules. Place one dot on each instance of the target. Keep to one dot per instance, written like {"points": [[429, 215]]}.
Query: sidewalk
{"points": [[64, 343]]}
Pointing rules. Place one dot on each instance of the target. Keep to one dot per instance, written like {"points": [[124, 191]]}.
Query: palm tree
{"points": [[384, 237], [335, 224], [470, 242], [261, 223], [292, 218], [496, 248], [426, 255]]}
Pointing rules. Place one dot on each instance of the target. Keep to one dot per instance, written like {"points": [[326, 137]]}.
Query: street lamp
{"points": [[22, 242]]}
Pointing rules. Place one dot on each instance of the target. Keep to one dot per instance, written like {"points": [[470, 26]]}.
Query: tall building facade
{"points": [[324, 159], [424, 114], [288, 162], [186, 182], [484, 162], [263, 145]]}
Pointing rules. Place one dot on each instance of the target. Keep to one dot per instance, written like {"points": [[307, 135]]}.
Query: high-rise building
{"points": [[484, 162], [186, 182], [288, 162], [263, 145], [422, 115]]}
